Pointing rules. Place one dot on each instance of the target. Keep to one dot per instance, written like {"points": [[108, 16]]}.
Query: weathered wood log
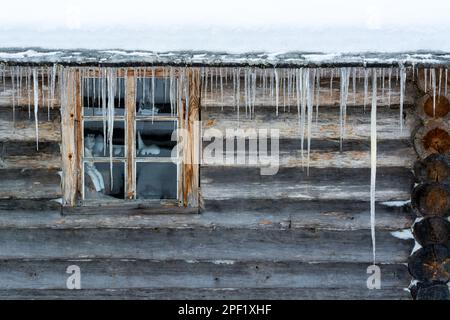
{"points": [[432, 138], [430, 264], [429, 107], [434, 168], [432, 230], [327, 126], [30, 184], [237, 244], [140, 274], [24, 155], [424, 81], [213, 99], [431, 199], [221, 182], [324, 153], [30, 205], [427, 291], [260, 214], [208, 293]]}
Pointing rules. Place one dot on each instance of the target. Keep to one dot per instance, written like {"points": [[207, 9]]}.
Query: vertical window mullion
{"points": [[130, 112]]}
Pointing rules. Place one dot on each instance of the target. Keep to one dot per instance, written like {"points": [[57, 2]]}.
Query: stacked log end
{"points": [[430, 199]]}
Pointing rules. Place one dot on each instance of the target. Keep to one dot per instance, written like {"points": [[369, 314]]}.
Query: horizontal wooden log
{"points": [[32, 206], [427, 291], [432, 138], [18, 126], [213, 98], [25, 97], [433, 107], [328, 183], [431, 199], [24, 155], [209, 293], [432, 230], [357, 125], [434, 168], [430, 264], [424, 82], [140, 274], [258, 214], [323, 153], [338, 215], [303, 245], [30, 184]]}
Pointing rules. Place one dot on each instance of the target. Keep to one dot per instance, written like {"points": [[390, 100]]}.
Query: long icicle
{"points": [[345, 74], [373, 161], [402, 93], [36, 105]]}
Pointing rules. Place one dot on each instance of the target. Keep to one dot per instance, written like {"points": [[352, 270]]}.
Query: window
{"points": [[125, 136]]}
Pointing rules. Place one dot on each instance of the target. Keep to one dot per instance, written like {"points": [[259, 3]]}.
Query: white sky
{"points": [[229, 13], [410, 24]]}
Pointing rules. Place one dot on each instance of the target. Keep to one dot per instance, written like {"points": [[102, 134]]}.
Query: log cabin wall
{"points": [[291, 235]]}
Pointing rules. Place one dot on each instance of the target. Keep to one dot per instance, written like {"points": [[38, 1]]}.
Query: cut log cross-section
{"points": [[430, 265]]}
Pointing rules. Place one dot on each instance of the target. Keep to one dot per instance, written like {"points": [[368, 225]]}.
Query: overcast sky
{"points": [[229, 13], [230, 25]]}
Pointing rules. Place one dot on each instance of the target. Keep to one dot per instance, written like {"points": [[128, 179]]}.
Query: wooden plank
{"points": [[223, 183], [211, 244], [145, 274], [30, 184], [69, 143], [327, 126], [191, 146]]}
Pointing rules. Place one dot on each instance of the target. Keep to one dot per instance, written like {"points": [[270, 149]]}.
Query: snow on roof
{"points": [[34, 56]]}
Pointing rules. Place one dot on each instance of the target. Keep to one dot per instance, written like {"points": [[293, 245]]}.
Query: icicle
{"points": [[310, 77], [389, 86], [440, 82], [111, 79], [425, 79], [317, 94], [36, 105], [354, 86], [13, 71], [402, 93], [433, 86], [104, 108], [345, 74], [153, 92], [382, 84], [331, 82], [238, 91], [446, 82], [373, 162], [366, 86], [28, 84], [276, 89], [221, 87]]}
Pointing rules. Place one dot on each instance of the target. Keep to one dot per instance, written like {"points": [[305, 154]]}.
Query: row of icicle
{"points": [[283, 88]]}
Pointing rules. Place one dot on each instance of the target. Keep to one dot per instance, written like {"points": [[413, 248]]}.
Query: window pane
{"points": [[154, 139], [93, 89], [98, 183], [156, 180], [94, 143], [145, 99]]}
